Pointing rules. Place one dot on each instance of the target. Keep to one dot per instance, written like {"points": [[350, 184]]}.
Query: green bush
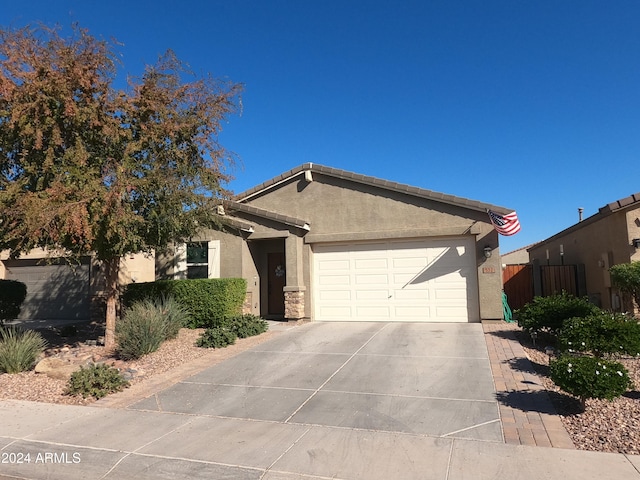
{"points": [[209, 301], [12, 295], [216, 337], [141, 331], [601, 334], [626, 277], [19, 349], [589, 377], [96, 381], [547, 314], [247, 325]]}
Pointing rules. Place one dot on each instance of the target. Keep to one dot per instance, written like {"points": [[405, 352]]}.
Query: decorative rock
{"points": [[56, 368]]}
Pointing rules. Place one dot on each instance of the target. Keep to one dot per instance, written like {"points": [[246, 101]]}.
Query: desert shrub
{"points": [[209, 301], [12, 295], [174, 314], [589, 377], [19, 349], [96, 381], [603, 333], [547, 314], [141, 330], [247, 325], [216, 337]]}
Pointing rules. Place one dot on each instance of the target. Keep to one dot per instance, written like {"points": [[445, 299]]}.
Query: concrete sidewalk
{"points": [[70, 442], [317, 402]]}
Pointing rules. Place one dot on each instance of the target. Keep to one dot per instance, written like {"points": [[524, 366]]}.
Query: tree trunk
{"points": [[112, 268]]}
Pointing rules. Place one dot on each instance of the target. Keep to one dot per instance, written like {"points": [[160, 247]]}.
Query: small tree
{"points": [[626, 278], [88, 169]]}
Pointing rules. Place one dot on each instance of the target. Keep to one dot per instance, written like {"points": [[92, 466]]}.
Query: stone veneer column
{"points": [[294, 303]]}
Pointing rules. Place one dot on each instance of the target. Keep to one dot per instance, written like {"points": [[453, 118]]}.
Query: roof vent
{"points": [[307, 176], [580, 210]]}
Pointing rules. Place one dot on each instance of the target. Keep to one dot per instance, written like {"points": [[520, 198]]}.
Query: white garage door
{"points": [[406, 281]]}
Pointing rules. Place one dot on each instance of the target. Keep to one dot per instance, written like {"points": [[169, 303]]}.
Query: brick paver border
{"points": [[527, 414]]}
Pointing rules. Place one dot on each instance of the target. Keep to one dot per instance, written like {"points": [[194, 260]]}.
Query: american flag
{"points": [[505, 224]]}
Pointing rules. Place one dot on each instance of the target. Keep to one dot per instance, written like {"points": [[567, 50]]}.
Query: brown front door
{"points": [[276, 282]]}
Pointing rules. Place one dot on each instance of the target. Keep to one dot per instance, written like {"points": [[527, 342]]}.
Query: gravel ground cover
{"points": [[41, 388], [170, 357]]}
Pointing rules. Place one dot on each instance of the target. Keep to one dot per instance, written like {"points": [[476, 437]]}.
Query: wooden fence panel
{"points": [[558, 278], [518, 284]]}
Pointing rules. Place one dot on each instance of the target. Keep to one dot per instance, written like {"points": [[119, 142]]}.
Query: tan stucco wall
{"points": [[137, 268], [598, 245], [355, 211]]}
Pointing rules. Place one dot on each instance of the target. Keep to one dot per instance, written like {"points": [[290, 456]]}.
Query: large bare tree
{"points": [[89, 169]]}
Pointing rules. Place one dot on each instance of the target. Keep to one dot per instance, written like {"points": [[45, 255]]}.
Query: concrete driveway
{"points": [[426, 379]]}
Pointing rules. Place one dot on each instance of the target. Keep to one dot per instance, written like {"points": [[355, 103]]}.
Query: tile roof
{"points": [[622, 203]]}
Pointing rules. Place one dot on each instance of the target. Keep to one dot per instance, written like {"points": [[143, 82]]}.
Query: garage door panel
{"points": [[371, 263], [335, 280], [336, 313], [371, 279], [335, 295], [405, 279], [372, 294], [408, 294], [410, 263], [418, 280], [335, 265]]}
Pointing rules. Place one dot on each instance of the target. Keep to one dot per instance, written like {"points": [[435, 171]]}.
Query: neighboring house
{"points": [[516, 257], [610, 237], [327, 244], [59, 291]]}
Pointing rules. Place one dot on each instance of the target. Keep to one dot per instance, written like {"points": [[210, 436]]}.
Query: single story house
{"points": [[325, 244], [317, 243], [610, 237]]}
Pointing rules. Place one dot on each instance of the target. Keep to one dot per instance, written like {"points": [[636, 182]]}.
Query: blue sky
{"points": [[530, 105]]}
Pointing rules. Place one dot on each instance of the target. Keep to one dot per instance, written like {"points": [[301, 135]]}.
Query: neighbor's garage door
{"points": [[54, 292], [408, 281]]}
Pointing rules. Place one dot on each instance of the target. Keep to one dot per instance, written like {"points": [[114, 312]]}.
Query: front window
{"points": [[197, 260]]}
